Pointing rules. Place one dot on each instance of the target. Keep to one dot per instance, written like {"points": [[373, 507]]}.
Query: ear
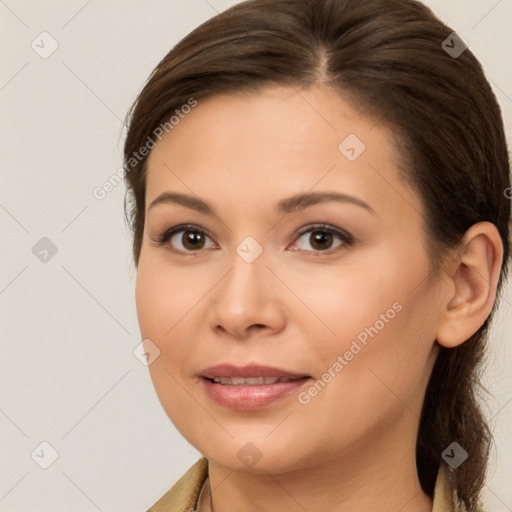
{"points": [[473, 278]]}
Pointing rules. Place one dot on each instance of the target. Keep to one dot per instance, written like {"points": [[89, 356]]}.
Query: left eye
{"points": [[322, 238]]}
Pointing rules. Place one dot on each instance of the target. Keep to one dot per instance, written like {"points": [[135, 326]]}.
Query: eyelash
{"points": [[345, 237]]}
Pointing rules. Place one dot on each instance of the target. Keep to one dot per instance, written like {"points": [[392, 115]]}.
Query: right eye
{"points": [[185, 239]]}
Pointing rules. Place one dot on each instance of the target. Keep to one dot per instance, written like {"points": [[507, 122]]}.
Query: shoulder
{"points": [[445, 495], [183, 495]]}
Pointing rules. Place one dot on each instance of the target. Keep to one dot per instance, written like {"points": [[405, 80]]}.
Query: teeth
{"points": [[252, 381], [249, 381]]}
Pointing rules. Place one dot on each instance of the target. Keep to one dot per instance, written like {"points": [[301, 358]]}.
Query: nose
{"points": [[247, 301]]}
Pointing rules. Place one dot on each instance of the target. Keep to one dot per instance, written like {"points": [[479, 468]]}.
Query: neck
{"points": [[377, 476]]}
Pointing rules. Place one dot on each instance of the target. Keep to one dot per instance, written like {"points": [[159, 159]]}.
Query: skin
{"points": [[352, 447]]}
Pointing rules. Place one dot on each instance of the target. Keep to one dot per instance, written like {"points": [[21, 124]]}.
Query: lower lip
{"points": [[247, 397]]}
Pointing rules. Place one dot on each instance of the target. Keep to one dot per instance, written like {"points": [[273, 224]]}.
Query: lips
{"points": [[250, 387], [248, 371], [249, 381]]}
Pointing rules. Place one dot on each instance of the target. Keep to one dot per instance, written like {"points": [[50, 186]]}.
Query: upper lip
{"points": [[250, 370]]}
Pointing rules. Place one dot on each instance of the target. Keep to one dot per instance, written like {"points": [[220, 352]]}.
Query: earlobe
{"points": [[473, 281]]}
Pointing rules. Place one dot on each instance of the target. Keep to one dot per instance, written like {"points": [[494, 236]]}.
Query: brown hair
{"points": [[387, 55]]}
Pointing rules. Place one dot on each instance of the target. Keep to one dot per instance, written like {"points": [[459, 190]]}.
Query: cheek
{"points": [[382, 367], [164, 296], [336, 302], [155, 320], [382, 333]]}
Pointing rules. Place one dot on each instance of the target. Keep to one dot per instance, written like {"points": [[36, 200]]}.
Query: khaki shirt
{"points": [[183, 496]]}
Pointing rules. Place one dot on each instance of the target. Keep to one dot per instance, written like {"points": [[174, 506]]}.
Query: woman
{"points": [[317, 196]]}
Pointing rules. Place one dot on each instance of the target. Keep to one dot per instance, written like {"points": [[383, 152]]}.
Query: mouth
{"points": [[249, 381], [250, 387]]}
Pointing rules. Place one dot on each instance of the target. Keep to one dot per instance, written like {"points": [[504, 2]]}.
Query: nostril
{"points": [[257, 327]]}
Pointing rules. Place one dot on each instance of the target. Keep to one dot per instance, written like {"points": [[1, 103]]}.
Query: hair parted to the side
{"points": [[386, 56]]}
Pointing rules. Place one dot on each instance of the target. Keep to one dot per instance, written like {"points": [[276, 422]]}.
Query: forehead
{"points": [[256, 147]]}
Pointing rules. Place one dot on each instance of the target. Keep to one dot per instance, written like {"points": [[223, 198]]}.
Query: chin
{"points": [[256, 454]]}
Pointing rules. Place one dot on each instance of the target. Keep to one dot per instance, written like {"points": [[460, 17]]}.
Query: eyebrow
{"points": [[291, 204]]}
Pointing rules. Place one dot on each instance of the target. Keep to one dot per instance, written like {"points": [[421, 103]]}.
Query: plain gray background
{"points": [[68, 375]]}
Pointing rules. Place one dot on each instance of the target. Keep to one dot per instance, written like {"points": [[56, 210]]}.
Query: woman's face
{"points": [[313, 266]]}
